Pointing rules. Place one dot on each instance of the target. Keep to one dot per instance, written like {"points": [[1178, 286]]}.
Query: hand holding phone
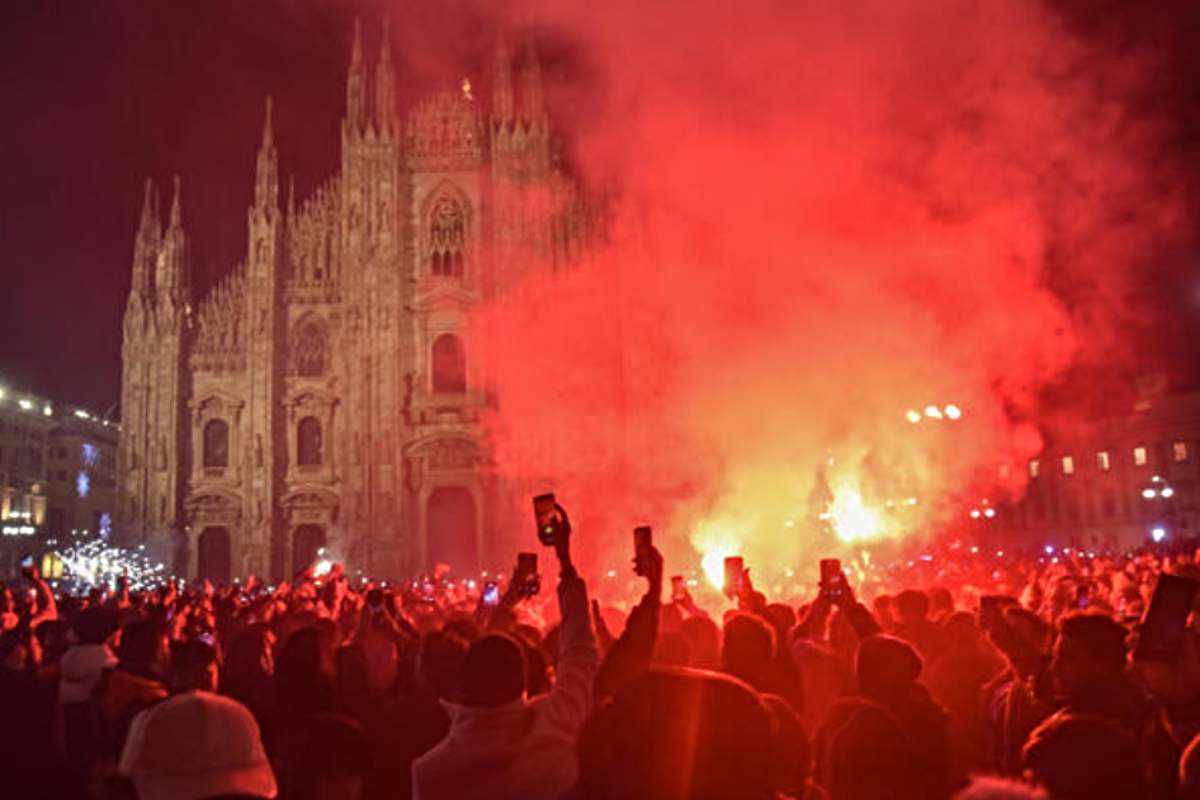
{"points": [[527, 580], [834, 585], [735, 577], [1164, 626], [553, 527], [491, 594], [679, 592], [643, 538]]}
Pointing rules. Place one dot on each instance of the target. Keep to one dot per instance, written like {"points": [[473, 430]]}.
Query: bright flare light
{"points": [[933, 412], [713, 564], [952, 411], [850, 517], [1158, 534], [913, 416]]}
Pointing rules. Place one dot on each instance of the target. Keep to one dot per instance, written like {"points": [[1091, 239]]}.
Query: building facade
{"points": [[322, 394], [57, 477], [1123, 482]]}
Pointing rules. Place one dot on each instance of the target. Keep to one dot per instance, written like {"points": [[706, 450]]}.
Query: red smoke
{"points": [[826, 214]]}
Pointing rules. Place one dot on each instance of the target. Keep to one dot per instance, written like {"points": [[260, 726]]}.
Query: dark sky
{"points": [[99, 94]]}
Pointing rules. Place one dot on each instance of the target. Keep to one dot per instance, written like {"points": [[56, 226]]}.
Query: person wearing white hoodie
{"points": [[502, 745]]}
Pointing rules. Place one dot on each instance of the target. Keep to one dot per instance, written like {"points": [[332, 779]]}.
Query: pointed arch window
{"points": [[449, 365], [216, 444], [310, 351], [309, 445], [447, 238]]}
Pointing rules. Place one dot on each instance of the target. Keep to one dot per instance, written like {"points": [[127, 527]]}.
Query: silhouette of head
{"points": [[885, 666], [493, 671], [1077, 756], [675, 734], [912, 606]]}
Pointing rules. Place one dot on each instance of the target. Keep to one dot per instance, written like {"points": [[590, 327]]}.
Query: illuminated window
{"points": [[308, 442], [1068, 465], [1103, 462], [216, 444], [1179, 451], [1034, 467], [1140, 456], [449, 365]]}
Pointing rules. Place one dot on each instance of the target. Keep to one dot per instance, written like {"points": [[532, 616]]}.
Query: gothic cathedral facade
{"points": [[321, 395]]}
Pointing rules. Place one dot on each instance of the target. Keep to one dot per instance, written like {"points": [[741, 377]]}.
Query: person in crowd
{"points": [[990, 788], [500, 743], [956, 681], [197, 746], [1081, 756], [915, 626], [679, 734], [329, 760]]}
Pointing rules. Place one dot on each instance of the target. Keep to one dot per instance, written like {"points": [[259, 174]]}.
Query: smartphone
{"points": [[833, 580], [527, 569], [550, 523], [491, 594], [1164, 625], [678, 589], [27, 562], [735, 569], [643, 537]]}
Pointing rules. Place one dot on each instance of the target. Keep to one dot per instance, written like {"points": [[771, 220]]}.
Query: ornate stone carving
{"points": [[443, 133], [452, 454]]}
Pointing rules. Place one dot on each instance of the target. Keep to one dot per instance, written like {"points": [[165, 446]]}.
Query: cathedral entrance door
{"points": [[306, 541], [212, 555], [450, 529]]}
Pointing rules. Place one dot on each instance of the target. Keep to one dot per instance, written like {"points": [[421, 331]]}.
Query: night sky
{"points": [[98, 95]]}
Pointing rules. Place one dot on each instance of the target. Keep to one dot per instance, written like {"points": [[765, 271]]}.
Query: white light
{"points": [[1158, 534], [974, 513], [1149, 494], [1049, 549], [933, 412], [79, 412], [989, 512], [788, 523], [1, 393], [25, 404], [47, 410], [1167, 492], [912, 416], [952, 411]]}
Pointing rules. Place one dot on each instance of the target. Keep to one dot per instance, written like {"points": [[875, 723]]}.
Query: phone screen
{"points": [[527, 570], [547, 517], [27, 562], [734, 572], [1160, 636], [491, 594]]}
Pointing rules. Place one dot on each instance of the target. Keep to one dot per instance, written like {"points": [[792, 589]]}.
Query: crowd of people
{"points": [[963, 673]]}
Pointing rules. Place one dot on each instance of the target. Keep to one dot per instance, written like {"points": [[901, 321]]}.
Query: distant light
{"points": [[1149, 494], [83, 484], [974, 549], [1000, 554], [1049, 549], [47, 410], [1158, 534], [1167, 492], [933, 412], [989, 512], [1, 393], [25, 404], [974, 513], [79, 412], [952, 411], [788, 523], [912, 416]]}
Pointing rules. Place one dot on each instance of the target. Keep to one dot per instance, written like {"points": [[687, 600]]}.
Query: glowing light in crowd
{"points": [[933, 412], [25, 404], [83, 484], [713, 564], [90, 453], [1158, 534], [913, 416], [851, 518], [953, 412], [323, 564], [1149, 494], [1167, 492], [96, 563]]}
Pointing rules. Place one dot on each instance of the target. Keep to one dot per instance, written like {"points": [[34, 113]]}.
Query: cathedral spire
{"points": [[145, 243], [502, 90], [533, 100], [385, 83], [172, 277], [356, 83], [266, 184]]}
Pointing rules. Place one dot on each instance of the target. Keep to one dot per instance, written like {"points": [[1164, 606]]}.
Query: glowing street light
{"points": [[913, 416], [933, 412], [952, 411], [1158, 534]]}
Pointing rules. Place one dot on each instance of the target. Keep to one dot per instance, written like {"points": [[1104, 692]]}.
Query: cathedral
{"points": [[322, 395]]}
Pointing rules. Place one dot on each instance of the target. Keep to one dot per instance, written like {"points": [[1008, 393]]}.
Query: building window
{"points": [[216, 444], [309, 348], [1140, 456], [1179, 451], [1068, 465], [308, 442], [449, 365], [1034, 468], [447, 238], [1103, 462]]}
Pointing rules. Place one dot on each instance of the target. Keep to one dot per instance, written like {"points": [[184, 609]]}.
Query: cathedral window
{"points": [[216, 444], [308, 442], [449, 365], [447, 238], [309, 351]]}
